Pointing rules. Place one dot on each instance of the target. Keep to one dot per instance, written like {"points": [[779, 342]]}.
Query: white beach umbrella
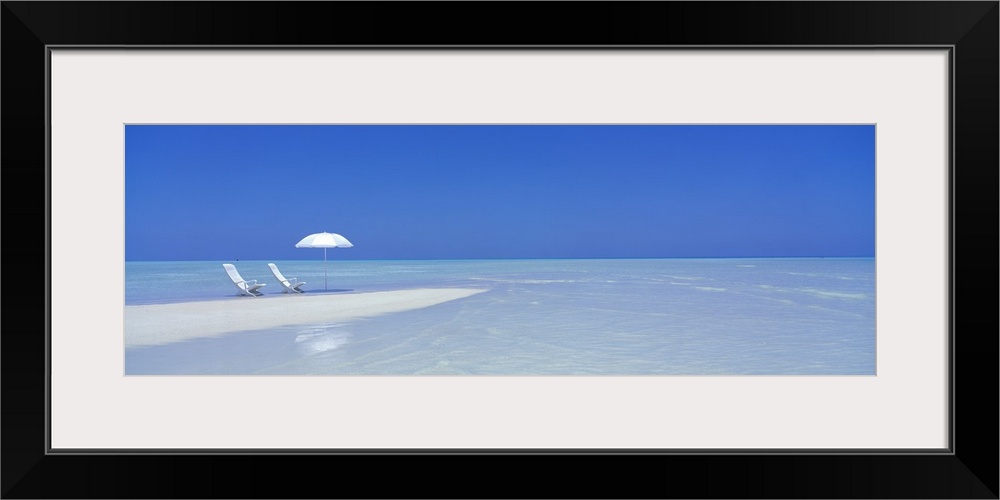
{"points": [[324, 241]]}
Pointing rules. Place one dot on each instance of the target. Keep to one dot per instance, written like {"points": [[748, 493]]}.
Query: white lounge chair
{"points": [[291, 285], [245, 287]]}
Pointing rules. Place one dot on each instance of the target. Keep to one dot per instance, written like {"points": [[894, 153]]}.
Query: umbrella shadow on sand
{"points": [[331, 290]]}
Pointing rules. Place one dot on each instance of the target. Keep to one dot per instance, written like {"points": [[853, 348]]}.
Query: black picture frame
{"points": [[969, 470]]}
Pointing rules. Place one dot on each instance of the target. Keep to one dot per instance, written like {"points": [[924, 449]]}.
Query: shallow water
{"points": [[541, 317]]}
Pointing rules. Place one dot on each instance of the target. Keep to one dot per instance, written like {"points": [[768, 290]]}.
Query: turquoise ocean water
{"points": [[539, 317]]}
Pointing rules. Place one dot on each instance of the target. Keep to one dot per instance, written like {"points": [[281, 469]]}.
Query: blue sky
{"points": [[250, 192]]}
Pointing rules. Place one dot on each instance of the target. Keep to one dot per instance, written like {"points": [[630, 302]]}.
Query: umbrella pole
{"points": [[325, 289]]}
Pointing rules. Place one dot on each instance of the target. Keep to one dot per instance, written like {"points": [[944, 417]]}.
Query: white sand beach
{"points": [[159, 324]]}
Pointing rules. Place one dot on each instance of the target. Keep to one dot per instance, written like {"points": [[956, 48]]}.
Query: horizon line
{"points": [[528, 258]]}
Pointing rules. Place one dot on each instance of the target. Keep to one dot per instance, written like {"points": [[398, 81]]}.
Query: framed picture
{"points": [[868, 127]]}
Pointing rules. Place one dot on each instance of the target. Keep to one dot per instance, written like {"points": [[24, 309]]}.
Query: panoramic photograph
{"points": [[499, 250]]}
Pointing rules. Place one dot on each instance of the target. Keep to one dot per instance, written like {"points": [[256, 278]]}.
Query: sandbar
{"points": [[158, 324]]}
